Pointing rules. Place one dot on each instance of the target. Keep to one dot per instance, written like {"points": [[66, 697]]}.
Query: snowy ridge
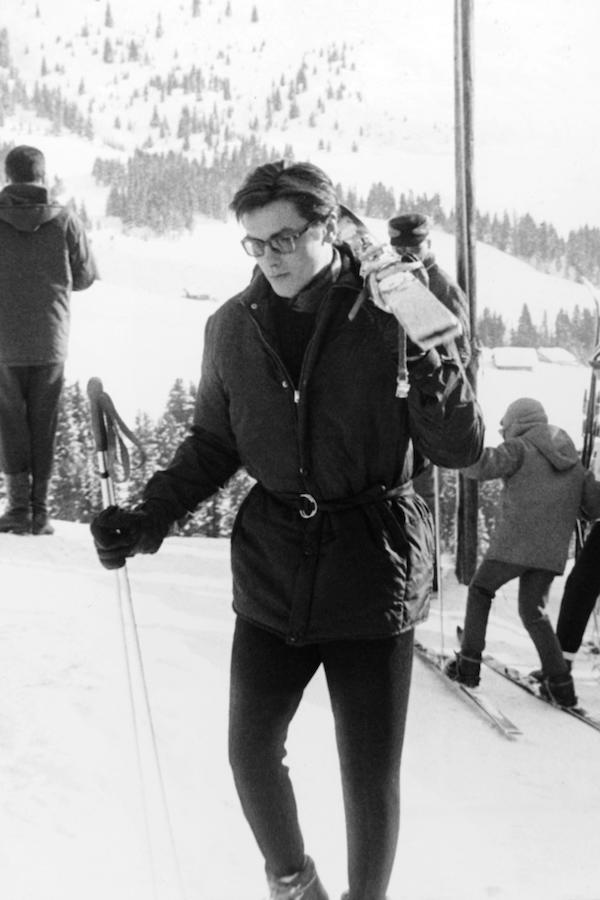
{"points": [[70, 819]]}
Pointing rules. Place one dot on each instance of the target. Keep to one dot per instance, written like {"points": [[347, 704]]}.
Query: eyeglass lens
{"points": [[279, 243]]}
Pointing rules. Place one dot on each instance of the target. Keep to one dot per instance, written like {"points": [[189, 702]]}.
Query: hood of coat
{"points": [[26, 207], [553, 443], [526, 418]]}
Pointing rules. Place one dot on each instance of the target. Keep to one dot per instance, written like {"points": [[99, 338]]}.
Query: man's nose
{"points": [[271, 255]]}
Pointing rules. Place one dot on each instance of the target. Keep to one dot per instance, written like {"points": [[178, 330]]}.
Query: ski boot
{"points": [[17, 518], [463, 669], [40, 520], [304, 885], [538, 674], [559, 689]]}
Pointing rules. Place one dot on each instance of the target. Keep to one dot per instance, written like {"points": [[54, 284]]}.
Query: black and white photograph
{"points": [[299, 450]]}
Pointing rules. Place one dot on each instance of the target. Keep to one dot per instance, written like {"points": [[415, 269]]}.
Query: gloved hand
{"points": [[119, 533]]}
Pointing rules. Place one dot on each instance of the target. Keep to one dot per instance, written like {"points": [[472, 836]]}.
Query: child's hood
{"points": [[554, 444]]}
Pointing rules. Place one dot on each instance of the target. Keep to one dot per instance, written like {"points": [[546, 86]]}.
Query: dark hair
{"points": [[25, 163], [307, 186]]}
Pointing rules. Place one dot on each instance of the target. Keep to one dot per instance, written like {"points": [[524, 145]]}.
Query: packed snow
{"points": [[482, 817]]}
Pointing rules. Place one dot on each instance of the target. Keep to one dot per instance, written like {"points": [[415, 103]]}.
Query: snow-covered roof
{"points": [[514, 357], [557, 355]]}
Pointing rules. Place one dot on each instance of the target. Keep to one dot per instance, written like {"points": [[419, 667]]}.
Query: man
{"points": [[44, 255], [409, 236], [332, 549]]}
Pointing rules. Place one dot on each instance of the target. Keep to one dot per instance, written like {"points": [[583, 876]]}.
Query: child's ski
{"points": [[475, 695], [531, 685]]}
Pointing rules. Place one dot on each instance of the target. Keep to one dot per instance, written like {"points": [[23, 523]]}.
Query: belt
{"points": [[308, 505]]}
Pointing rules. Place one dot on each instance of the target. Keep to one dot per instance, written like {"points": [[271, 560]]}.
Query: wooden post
{"points": [[466, 544]]}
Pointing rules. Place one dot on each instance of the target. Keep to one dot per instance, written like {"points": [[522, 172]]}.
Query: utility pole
{"points": [[466, 549]]}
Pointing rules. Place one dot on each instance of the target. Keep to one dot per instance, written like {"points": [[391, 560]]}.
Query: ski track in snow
{"points": [[482, 817]]}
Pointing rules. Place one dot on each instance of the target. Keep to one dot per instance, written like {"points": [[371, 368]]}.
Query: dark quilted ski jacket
{"points": [[361, 566]]}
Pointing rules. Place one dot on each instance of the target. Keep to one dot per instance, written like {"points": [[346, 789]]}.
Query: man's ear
{"points": [[330, 228]]}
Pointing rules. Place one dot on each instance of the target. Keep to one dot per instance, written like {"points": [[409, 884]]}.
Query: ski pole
{"points": [[438, 552], [107, 428]]}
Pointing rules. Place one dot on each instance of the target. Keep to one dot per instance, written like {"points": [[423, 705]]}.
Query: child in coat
{"points": [[545, 489]]}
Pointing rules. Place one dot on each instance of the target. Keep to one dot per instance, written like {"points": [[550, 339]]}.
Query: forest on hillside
{"points": [[165, 191]]}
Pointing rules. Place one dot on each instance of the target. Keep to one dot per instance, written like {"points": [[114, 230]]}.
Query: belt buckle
{"points": [[312, 511]]}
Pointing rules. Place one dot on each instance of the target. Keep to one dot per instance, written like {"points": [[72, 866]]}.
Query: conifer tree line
{"points": [[180, 187], [575, 332], [165, 192], [47, 102], [75, 493]]}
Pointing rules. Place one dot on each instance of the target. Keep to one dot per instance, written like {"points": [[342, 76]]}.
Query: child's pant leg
{"points": [[534, 586], [489, 577]]}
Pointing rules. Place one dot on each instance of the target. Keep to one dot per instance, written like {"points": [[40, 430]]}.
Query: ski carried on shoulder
{"points": [[532, 686], [424, 318], [475, 696]]}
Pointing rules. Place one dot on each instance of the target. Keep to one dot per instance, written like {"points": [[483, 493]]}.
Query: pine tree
{"points": [[75, 487], [175, 422], [4, 49], [108, 17], [562, 330], [525, 334], [491, 329], [142, 466]]}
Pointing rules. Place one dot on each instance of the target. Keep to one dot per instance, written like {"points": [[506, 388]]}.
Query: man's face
{"points": [[289, 273], [416, 251]]}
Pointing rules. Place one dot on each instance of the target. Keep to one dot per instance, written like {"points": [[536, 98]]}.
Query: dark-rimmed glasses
{"points": [[279, 243]]}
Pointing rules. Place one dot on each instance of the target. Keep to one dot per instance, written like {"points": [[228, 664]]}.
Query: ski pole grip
{"points": [[94, 392]]}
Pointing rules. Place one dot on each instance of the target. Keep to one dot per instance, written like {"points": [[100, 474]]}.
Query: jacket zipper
{"points": [[287, 380]]}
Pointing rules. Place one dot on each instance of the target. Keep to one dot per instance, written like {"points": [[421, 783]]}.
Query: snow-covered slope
{"points": [[483, 817], [384, 73]]}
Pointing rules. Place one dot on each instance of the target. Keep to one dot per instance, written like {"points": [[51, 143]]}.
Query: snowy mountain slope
{"points": [[483, 817], [382, 71]]}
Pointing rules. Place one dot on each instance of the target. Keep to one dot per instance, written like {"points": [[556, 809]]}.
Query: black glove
{"points": [[119, 533]]}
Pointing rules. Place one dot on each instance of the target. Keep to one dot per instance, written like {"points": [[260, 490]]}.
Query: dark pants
{"points": [[368, 683], [534, 586], [29, 399], [580, 594]]}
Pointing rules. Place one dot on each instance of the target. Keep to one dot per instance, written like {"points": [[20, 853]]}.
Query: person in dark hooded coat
{"points": [[44, 255], [545, 489]]}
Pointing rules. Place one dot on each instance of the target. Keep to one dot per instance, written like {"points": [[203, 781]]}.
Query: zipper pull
{"points": [[296, 397]]}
